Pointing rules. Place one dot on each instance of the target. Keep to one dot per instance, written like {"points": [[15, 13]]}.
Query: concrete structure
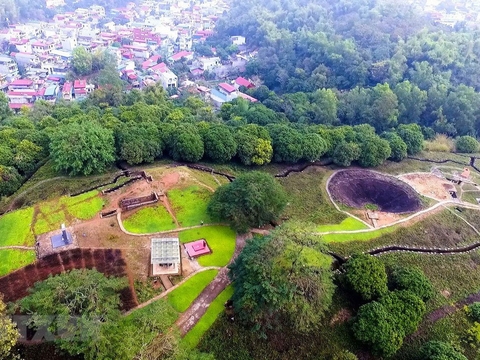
{"points": [[165, 256]]}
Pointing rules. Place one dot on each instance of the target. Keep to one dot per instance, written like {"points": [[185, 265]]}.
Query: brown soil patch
{"points": [[340, 317], [170, 180], [357, 188], [429, 185]]}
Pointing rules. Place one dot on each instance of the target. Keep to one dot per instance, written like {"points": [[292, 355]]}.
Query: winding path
{"points": [[17, 247]]}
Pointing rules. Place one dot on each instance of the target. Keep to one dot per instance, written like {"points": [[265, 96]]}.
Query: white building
{"points": [[209, 63], [165, 256], [238, 40]]}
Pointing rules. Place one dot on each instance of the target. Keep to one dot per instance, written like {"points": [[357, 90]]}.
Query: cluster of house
{"points": [[146, 40], [455, 12]]}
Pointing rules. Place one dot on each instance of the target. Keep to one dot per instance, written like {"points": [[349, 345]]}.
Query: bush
{"points": [[466, 144], [441, 143], [366, 275], [439, 350], [412, 135], [414, 280], [474, 311]]}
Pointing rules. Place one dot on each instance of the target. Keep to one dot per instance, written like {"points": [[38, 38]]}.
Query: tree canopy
{"points": [[82, 148], [366, 275], [8, 332], [283, 279], [251, 200]]}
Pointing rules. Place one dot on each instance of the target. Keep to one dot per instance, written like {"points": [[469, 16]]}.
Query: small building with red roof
{"points": [[187, 55], [240, 81]]}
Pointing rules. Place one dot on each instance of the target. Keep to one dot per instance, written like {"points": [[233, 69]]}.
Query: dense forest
{"points": [[385, 62]]}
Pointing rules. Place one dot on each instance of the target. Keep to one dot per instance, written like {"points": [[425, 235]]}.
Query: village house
{"points": [[67, 91], [208, 63], [8, 67], [238, 40]]}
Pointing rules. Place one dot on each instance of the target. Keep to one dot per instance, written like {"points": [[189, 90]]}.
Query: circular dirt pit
{"points": [[358, 188]]}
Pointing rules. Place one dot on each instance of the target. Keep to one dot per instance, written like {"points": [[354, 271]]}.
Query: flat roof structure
{"points": [[197, 248], [165, 256], [62, 239]]}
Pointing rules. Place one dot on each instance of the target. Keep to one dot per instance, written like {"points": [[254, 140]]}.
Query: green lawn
{"points": [[149, 220], [15, 228], [346, 225], [13, 259], [220, 239], [193, 337], [185, 294], [190, 205], [87, 209]]}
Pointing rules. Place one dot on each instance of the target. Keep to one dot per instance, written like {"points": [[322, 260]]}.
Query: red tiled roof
{"points": [[243, 82], [80, 84], [80, 91], [41, 92], [67, 87], [22, 82], [180, 55], [247, 97], [22, 93], [158, 67], [227, 87]]}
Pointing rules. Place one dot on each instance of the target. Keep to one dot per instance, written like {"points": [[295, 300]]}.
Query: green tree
{"points": [[283, 278], [186, 143], [139, 142], [82, 303], [220, 145], [384, 107], [345, 153], [397, 146], [414, 280], [82, 61], [286, 142], [6, 155], [373, 326], [251, 200], [10, 180], [439, 350], [324, 104], [366, 275], [466, 144], [373, 151], [254, 145], [314, 146], [27, 154], [5, 111], [412, 102], [8, 332], [412, 136], [82, 148]]}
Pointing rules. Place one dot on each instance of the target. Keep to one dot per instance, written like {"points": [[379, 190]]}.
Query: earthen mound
{"points": [[357, 188]]}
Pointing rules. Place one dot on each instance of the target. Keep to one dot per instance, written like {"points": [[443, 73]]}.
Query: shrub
{"points": [[414, 280], [474, 311], [441, 143], [439, 350], [366, 275], [466, 144]]}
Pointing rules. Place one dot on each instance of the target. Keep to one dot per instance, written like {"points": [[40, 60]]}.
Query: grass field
{"points": [[190, 205], [15, 228], [308, 199], [149, 220], [13, 259], [220, 239], [443, 229], [87, 209], [185, 294], [194, 336], [348, 224]]}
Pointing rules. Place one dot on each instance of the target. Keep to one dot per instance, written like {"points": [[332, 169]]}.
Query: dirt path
{"points": [[166, 292], [120, 224], [197, 309], [17, 247], [166, 203]]}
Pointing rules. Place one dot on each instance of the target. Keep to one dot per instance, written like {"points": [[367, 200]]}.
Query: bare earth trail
{"points": [[17, 247]]}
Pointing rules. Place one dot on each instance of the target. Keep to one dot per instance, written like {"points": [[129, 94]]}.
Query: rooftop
{"points": [[165, 251], [227, 87]]}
